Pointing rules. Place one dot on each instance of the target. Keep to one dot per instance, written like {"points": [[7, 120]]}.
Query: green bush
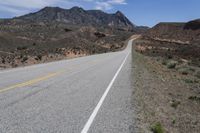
{"points": [[25, 58], [171, 64], [157, 128], [186, 70], [164, 62], [174, 121], [198, 74], [21, 48], [3, 61], [39, 57], [190, 81], [194, 98], [175, 104]]}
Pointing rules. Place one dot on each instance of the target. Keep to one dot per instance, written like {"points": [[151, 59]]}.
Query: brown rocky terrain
{"points": [[166, 100], [186, 32], [54, 33], [166, 68], [53, 43], [173, 41]]}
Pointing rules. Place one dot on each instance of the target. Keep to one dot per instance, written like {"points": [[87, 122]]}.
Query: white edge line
{"points": [[95, 111]]}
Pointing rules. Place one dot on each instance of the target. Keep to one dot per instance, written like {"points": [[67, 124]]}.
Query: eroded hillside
{"points": [[54, 33]]}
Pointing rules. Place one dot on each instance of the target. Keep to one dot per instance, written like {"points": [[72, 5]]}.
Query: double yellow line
{"points": [[30, 82], [36, 80]]}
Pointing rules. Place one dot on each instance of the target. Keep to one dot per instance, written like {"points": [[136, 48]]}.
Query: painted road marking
{"points": [[30, 82], [95, 111]]}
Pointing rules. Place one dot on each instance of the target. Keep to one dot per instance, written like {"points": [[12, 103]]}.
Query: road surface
{"points": [[90, 94]]}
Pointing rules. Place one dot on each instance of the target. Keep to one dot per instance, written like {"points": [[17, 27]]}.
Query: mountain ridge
{"points": [[79, 16], [54, 33]]}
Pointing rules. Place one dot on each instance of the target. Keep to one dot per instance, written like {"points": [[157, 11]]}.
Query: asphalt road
{"points": [[89, 94]]}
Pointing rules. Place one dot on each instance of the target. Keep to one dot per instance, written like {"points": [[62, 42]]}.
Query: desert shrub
{"points": [[169, 56], [93, 51], [39, 57], [21, 48], [99, 35], [21, 56], [25, 58], [194, 98], [175, 104], [186, 70], [67, 30], [183, 71], [174, 121], [164, 62], [157, 128], [171, 64], [3, 61], [197, 74], [189, 81]]}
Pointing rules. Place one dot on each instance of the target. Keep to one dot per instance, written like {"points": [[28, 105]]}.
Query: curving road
{"points": [[89, 94]]}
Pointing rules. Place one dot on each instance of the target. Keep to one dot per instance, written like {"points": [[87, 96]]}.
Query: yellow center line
{"points": [[30, 82], [34, 81]]}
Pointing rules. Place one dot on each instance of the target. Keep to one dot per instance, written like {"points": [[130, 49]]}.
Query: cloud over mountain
{"points": [[19, 7]]}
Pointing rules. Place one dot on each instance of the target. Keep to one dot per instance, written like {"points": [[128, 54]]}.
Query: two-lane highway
{"points": [[87, 94]]}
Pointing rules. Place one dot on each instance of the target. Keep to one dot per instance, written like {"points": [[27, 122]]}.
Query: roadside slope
{"points": [[164, 98]]}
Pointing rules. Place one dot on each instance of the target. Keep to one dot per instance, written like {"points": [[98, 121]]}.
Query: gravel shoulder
{"points": [[163, 97]]}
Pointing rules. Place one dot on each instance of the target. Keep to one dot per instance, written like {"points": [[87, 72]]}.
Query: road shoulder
{"points": [[117, 112], [162, 99]]}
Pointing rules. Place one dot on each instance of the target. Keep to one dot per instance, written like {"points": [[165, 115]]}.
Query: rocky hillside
{"points": [[186, 32], [54, 33], [173, 41], [79, 16], [167, 62]]}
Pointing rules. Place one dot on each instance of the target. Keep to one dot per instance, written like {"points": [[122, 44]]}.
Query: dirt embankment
{"points": [[27, 46], [182, 52], [167, 93]]}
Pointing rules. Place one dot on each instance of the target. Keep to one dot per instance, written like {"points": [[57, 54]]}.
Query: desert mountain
{"points": [[79, 16], [54, 33]]}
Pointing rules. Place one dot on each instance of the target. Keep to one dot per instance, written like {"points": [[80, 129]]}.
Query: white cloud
{"points": [[103, 6], [108, 4], [24, 3], [19, 7], [117, 1], [14, 11]]}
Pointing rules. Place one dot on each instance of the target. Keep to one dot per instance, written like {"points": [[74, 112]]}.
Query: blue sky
{"points": [[140, 12]]}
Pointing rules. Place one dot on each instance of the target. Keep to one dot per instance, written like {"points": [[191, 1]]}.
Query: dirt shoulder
{"points": [[165, 99]]}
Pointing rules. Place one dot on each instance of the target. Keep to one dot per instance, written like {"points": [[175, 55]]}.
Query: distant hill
{"points": [[186, 31], [193, 25]]}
